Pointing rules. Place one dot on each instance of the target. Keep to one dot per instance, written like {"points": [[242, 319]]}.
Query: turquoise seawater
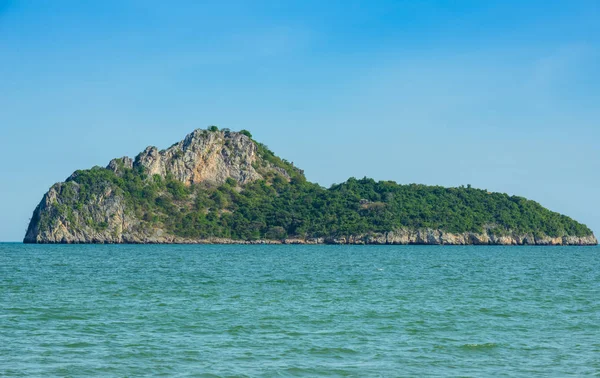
{"points": [[360, 311]]}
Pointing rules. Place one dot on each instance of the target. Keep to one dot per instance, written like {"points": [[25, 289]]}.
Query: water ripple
{"points": [[298, 311]]}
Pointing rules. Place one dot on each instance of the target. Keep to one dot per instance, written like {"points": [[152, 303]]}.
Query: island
{"points": [[220, 186]]}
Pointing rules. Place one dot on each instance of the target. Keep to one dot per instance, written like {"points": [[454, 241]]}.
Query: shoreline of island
{"points": [[397, 237]]}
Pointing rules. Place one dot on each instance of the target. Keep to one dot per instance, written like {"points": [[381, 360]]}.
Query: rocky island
{"points": [[220, 186]]}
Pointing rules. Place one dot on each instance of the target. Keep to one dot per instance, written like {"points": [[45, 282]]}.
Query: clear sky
{"points": [[499, 94]]}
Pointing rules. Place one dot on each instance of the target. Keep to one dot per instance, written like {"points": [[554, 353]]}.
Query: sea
{"points": [[298, 311]]}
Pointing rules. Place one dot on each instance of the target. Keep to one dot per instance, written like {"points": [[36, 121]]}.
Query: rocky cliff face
{"points": [[204, 156], [64, 216], [438, 237], [56, 219]]}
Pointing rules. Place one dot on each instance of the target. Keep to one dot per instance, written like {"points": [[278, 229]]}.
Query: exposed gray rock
{"points": [[118, 165], [403, 236], [204, 156], [102, 220]]}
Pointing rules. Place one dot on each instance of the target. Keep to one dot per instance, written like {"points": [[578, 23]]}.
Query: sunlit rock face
{"points": [[204, 156]]}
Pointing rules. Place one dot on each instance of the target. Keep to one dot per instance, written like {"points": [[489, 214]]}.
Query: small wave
{"points": [[332, 351], [300, 371], [80, 344], [492, 313], [49, 317], [476, 346], [235, 330], [295, 333], [283, 282]]}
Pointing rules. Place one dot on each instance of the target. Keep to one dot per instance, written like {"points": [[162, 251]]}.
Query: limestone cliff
{"points": [[223, 187], [204, 156], [59, 218], [438, 237]]}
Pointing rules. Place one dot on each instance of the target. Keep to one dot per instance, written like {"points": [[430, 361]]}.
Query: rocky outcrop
{"points": [[67, 216], [204, 156], [119, 165], [103, 219], [439, 237]]}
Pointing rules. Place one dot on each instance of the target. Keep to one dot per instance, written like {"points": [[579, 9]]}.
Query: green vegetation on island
{"points": [[283, 204]]}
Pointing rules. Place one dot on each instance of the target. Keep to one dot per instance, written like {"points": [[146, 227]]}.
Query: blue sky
{"points": [[500, 94]]}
